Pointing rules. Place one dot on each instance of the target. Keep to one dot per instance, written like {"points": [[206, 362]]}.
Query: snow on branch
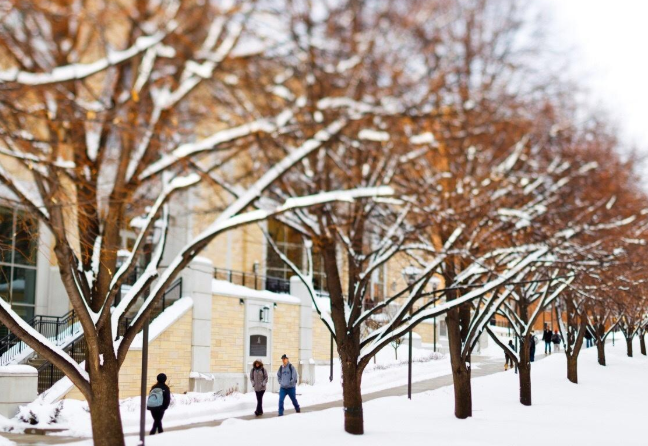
{"points": [[227, 221], [75, 72], [41, 344], [215, 141]]}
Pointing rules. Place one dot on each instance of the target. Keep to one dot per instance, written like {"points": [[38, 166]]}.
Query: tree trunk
{"points": [[572, 368], [600, 347], [460, 370], [352, 398], [642, 344], [629, 346], [524, 373], [104, 409]]}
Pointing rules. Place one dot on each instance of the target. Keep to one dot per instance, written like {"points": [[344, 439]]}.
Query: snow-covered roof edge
{"points": [[227, 289]]}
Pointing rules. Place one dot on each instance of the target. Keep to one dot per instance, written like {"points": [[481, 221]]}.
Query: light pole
{"points": [[409, 274], [435, 282], [331, 375], [145, 333]]}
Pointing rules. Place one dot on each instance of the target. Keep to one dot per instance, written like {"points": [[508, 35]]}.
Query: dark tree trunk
{"points": [[460, 370], [642, 344], [524, 373], [104, 408], [572, 368], [600, 347], [352, 397], [629, 346]]}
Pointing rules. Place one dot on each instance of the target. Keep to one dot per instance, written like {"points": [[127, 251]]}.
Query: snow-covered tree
{"points": [[98, 125]]}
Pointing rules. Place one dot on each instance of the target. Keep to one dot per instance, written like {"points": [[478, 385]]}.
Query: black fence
{"points": [[253, 280], [48, 374], [51, 327]]}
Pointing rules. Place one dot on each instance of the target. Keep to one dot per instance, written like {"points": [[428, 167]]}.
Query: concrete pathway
{"points": [[485, 366]]}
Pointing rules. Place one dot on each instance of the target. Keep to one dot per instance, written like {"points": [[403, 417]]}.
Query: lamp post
{"points": [[145, 333], [435, 282], [409, 274], [331, 375]]}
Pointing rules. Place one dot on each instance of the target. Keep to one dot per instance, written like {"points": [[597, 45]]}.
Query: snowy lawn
{"points": [[201, 407], [607, 407]]}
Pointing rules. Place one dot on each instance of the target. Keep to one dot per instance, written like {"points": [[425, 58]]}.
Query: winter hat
{"points": [[161, 378], [284, 356]]}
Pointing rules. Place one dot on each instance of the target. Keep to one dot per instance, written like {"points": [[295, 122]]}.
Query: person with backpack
{"points": [[509, 359], [158, 402], [556, 339], [546, 337], [259, 379], [287, 377]]}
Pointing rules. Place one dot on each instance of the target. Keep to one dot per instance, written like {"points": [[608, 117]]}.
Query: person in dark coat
{"points": [[546, 337], [588, 338], [259, 380], [158, 412], [509, 360], [532, 346]]}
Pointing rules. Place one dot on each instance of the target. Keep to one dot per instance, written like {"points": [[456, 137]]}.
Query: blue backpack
{"points": [[155, 399]]}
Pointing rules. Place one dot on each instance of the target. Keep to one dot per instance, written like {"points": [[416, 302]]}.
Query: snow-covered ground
{"points": [[192, 408], [606, 407]]}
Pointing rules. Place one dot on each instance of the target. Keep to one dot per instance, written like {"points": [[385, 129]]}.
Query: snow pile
{"points": [[17, 370], [5, 442]]}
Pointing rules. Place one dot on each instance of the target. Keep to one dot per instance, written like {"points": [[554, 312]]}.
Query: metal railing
{"points": [[55, 328], [172, 294], [49, 374], [253, 280]]}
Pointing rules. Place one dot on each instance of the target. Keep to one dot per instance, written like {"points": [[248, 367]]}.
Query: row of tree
{"points": [[426, 134]]}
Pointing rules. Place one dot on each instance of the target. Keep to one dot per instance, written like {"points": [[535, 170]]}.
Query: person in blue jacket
{"points": [[287, 377]]}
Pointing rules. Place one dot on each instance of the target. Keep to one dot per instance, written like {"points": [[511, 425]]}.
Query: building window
{"points": [[291, 244], [18, 250], [258, 346]]}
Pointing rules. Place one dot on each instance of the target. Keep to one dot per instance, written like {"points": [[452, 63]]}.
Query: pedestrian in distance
{"points": [[588, 338], [507, 355], [532, 347], [158, 402], [288, 378], [259, 379], [546, 337], [556, 339]]}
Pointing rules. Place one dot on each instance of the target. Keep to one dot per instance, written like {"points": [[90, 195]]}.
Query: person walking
{"points": [[509, 359], [287, 377], [556, 339], [546, 337], [588, 338], [532, 347], [158, 402], [259, 379]]}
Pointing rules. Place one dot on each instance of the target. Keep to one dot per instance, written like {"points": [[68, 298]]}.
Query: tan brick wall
{"points": [[426, 331], [228, 337], [321, 340], [169, 353], [285, 334]]}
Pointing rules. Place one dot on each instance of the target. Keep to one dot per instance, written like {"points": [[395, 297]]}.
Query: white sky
{"points": [[610, 42]]}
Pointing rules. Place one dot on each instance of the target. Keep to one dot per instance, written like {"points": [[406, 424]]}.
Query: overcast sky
{"points": [[610, 42]]}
